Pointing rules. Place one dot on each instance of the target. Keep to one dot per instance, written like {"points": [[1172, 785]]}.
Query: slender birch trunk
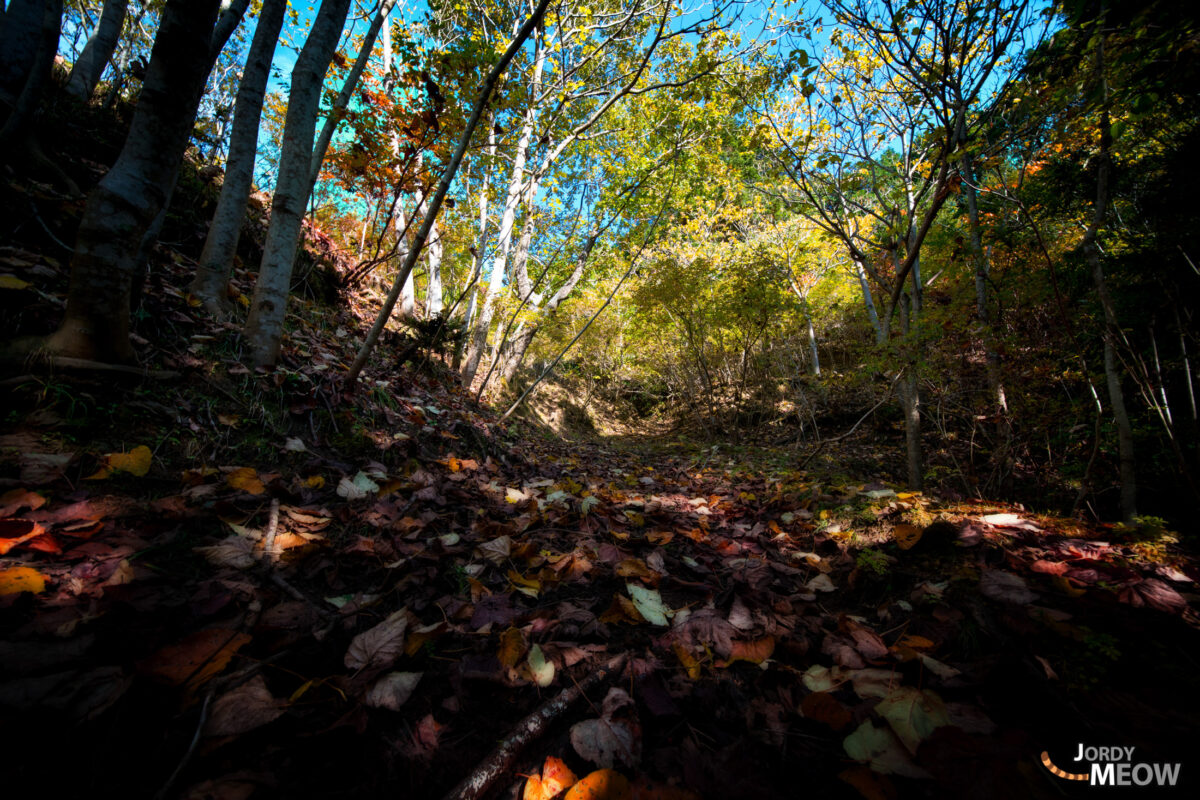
{"points": [[433, 292], [1091, 250], [125, 202], [513, 200], [435, 203], [98, 51], [481, 239], [264, 326], [216, 259]]}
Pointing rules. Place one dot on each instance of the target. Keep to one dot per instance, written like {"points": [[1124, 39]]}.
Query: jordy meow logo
{"points": [[1114, 766]]}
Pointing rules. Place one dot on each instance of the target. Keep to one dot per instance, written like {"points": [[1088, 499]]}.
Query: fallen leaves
{"points": [[195, 659], [136, 462], [381, 645], [393, 690], [614, 737], [243, 709], [15, 580], [1005, 587]]}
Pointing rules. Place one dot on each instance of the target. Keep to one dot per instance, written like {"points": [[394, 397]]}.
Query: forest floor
{"points": [[230, 584], [217, 583]]}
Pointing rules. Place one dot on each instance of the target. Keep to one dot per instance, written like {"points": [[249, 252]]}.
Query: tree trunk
{"points": [[907, 390], [264, 326], [125, 202], [435, 203], [216, 259], [1091, 249], [98, 50], [18, 46], [812, 343], [433, 292], [516, 183], [17, 125], [481, 240]]}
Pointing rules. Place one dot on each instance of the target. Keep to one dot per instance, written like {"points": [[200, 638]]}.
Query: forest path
{"points": [[304, 626]]}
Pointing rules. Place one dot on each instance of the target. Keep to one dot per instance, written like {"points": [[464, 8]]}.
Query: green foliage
{"points": [[872, 561]]}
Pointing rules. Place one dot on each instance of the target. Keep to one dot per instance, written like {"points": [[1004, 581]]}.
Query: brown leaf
{"points": [[512, 647], [14, 500], [824, 707], [615, 736], [196, 658], [1154, 593], [1005, 587], [243, 709], [379, 646]]}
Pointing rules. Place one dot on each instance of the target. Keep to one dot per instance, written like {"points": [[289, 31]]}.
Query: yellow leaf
{"points": [[907, 495], [22, 579], [906, 535], [314, 481], [13, 282], [246, 479], [135, 462], [528, 586], [688, 661], [512, 647]]}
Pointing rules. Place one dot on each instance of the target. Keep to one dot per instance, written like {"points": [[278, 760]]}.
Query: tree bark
{"points": [[98, 50], [1091, 250], [216, 259], [18, 46], [264, 326], [478, 341], [17, 124], [435, 203], [125, 202]]}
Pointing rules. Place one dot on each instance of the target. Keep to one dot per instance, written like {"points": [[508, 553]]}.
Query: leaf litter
{"points": [[424, 597]]}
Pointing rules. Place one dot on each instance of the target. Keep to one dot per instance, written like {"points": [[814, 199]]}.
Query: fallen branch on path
{"points": [[498, 763]]}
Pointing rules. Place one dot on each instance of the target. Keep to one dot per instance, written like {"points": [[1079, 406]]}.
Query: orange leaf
{"points": [[603, 784], [195, 659], [534, 789], [22, 579], [915, 642], [16, 531], [754, 652], [556, 776], [246, 479], [906, 535]]}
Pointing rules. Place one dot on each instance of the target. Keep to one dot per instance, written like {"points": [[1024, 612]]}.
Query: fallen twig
{"points": [[490, 769]]}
